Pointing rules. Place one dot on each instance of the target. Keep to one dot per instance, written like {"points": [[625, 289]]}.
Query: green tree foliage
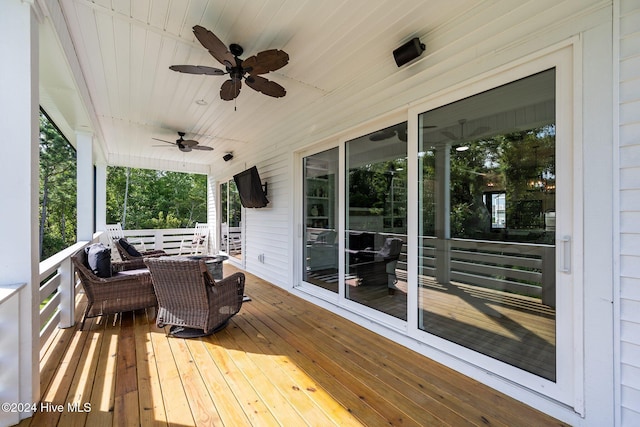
{"points": [[57, 190], [150, 199]]}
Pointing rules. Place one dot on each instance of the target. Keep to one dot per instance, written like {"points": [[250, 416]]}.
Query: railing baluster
{"points": [[67, 294]]}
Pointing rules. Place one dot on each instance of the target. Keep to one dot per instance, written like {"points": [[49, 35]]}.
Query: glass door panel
{"points": [[321, 219], [376, 220], [487, 206]]}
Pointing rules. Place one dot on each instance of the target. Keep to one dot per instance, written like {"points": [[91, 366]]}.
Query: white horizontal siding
{"points": [[630, 212], [268, 229]]}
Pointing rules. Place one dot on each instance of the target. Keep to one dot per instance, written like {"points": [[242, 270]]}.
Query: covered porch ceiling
{"points": [[105, 70]]}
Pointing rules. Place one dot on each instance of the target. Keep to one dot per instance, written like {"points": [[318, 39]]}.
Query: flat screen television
{"points": [[250, 189]]}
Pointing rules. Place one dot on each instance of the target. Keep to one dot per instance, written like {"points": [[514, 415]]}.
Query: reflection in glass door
{"points": [[231, 220], [321, 219], [487, 207], [376, 220]]}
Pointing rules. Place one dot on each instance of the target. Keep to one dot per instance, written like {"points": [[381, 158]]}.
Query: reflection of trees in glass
{"points": [[370, 192], [427, 161], [520, 163]]}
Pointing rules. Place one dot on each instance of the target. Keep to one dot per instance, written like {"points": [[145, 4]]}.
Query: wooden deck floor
{"points": [[281, 361]]}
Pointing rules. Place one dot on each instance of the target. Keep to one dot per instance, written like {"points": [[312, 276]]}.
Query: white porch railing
{"points": [[57, 291], [58, 286], [167, 239]]}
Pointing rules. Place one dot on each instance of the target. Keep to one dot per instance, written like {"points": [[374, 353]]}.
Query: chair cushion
{"points": [[129, 247], [99, 259]]}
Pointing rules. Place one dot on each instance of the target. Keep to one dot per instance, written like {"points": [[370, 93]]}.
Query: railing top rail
{"points": [[7, 291], [50, 264], [492, 242], [151, 231]]}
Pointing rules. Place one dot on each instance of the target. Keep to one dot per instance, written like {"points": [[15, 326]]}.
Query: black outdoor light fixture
{"points": [[227, 157], [408, 51]]}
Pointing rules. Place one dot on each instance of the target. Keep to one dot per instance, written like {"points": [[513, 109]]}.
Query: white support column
{"points": [[85, 185], [67, 295], [212, 214], [19, 171], [101, 197]]}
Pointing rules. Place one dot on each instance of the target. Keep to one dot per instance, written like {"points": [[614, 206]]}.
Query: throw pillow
{"points": [[99, 259], [129, 247]]}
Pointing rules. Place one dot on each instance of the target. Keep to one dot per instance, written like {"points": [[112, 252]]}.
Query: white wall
{"points": [[629, 162]]}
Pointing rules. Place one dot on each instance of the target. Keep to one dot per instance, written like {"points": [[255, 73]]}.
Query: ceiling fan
{"points": [[399, 130], [185, 145], [238, 69], [461, 122]]}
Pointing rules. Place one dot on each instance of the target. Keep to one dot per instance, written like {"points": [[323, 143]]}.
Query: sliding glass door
{"points": [[460, 230], [487, 210]]}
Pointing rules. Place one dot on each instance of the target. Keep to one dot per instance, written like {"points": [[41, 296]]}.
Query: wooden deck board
{"points": [[281, 361]]}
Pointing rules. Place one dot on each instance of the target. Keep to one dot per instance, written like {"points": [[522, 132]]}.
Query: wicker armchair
{"points": [[126, 256], [189, 297], [128, 289]]}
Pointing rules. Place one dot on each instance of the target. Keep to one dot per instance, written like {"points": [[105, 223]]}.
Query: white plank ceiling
{"points": [[338, 50]]}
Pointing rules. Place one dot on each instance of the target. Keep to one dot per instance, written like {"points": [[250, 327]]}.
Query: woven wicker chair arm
{"points": [[132, 264], [144, 275], [236, 279]]}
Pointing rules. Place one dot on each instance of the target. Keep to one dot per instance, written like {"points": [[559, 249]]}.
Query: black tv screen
{"points": [[250, 189]]}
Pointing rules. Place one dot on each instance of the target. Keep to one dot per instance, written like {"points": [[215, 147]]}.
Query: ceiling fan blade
{"points": [[449, 135], [202, 147], [268, 60], [216, 48], [162, 140], [197, 69], [480, 130], [266, 86], [382, 135], [230, 89], [189, 142]]}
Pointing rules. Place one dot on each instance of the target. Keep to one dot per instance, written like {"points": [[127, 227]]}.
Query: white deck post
{"points": [[19, 261], [212, 214], [101, 197], [85, 185], [67, 295]]}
